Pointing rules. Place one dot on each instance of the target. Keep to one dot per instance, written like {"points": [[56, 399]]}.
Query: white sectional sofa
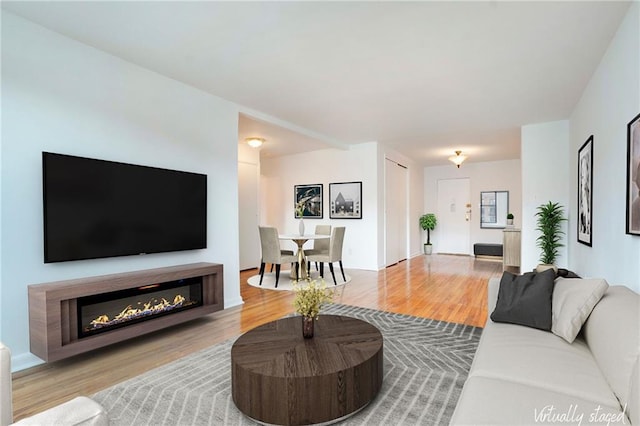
{"points": [[79, 411], [526, 376]]}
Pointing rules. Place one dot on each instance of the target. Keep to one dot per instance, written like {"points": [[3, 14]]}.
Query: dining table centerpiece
{"points": [[310, 297]]}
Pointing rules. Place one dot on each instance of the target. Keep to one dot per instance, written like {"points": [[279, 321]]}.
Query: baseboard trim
{"points": [[490, 258]]}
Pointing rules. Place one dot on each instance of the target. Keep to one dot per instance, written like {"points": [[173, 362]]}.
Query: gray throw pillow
{"points": [[525, 299]]}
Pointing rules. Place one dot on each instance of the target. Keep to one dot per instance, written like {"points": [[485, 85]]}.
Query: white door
{"points": [[248, 215], [395, 212], [454, 225]]}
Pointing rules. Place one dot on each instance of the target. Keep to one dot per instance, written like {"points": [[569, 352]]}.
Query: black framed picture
{"points": [[633, 176], [308, 201], [346, 200], [585, 192]]}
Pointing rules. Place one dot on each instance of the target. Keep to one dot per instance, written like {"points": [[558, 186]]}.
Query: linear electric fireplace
{"points": [[107, 311], [70, 317]]}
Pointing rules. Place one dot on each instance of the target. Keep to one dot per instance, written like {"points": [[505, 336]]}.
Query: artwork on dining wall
{"points": [[633, 176], [585, 192], [346, 200], [308, 201]]}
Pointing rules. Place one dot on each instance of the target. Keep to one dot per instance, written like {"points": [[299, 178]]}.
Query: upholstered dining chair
{"points": [[271, 252], [319, 246], [334, 254]]}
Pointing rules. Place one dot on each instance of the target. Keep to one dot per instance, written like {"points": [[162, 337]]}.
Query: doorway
{"points": [[454, 221]]}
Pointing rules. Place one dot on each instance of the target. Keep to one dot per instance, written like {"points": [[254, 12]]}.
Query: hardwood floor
{"points": [[442, 287]]}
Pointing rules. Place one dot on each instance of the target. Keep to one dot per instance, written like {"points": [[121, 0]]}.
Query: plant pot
{"points": [[544, 266], [510, 222], [428, 248]]}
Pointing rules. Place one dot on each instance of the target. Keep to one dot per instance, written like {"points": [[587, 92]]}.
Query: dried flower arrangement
{"points": [[310, 297]]}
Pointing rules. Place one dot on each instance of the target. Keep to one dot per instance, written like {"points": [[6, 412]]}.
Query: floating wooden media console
{"points": [[70, 317]]}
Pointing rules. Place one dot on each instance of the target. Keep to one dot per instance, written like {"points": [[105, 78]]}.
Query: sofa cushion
{"points": [[573, 301], [538, 358], [525, 299], [613, 337], [80, 411], [490, 401], [633, 404]]}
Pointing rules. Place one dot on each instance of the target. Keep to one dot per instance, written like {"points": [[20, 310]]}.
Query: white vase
{"points": [[301, 227]]}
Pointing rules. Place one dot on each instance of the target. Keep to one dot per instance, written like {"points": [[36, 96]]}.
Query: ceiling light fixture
{"points": [[458, 158], [254, 142]]}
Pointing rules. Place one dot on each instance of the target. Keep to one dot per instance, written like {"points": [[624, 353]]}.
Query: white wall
{"points": [[416, 209], [380, 233], [545, 177], [279, 175], [609, 102], [249, 207], [484, 176], [364, 239], [249, 155], [62, 96]]}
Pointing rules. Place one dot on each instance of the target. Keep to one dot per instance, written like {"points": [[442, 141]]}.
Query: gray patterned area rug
{"points": [[425, 365]]}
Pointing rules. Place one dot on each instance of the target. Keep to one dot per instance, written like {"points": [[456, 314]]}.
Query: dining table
{"points": [[300, 240]]}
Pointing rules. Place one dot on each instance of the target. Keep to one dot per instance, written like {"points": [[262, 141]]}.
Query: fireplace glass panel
{"points": [[107, 311]]}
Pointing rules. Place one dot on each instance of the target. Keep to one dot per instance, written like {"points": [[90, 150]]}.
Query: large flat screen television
{"points": [[96, 208]]}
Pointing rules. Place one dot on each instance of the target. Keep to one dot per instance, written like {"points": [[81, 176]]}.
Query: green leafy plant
{"points": [[310, 298], [428, 223], [510, 216], [550, 218]]}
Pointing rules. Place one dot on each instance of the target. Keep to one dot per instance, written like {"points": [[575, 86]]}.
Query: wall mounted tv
{"points": [[96, 208]]}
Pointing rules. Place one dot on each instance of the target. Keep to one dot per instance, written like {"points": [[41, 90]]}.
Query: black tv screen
{"points": [[96, 208]]}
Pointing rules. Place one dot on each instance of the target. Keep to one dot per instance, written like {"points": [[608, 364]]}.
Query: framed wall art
{"points": [[633, 176], [585, 192], [307, 201], [346, 200]]}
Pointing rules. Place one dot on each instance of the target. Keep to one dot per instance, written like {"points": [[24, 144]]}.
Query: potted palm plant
{"points": [[550, 217], [428, 223]]}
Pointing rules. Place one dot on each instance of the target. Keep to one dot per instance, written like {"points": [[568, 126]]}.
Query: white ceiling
{"points": [[425, 78]]}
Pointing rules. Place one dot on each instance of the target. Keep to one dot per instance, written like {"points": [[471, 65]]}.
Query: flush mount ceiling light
{"points": [[458, 158], [254, 142]]}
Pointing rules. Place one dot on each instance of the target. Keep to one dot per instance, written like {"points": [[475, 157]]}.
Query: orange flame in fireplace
{"points": [[129, 313]]}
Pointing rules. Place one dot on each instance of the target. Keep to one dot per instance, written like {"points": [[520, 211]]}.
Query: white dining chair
{"points": [[334, 254], [273, 254], [320, 246]]}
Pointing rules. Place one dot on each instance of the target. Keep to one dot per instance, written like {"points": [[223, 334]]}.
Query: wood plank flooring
{"points": [[442, 287]]}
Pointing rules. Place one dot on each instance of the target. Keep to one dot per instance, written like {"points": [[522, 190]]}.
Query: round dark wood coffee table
{"points": [[279, 377]]}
